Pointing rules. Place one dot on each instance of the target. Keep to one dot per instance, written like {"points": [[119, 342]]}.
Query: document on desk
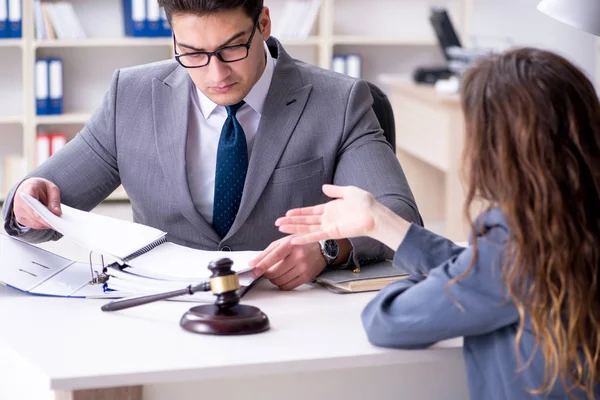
{"points": [[116, 238], [33, 270], [137, 246], [142, 261]]}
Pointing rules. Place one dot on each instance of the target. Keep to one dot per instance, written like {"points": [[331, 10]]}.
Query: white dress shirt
{"points": [[204, 130]]}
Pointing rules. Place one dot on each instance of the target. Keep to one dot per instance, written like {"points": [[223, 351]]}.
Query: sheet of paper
{"points": [[109, 236], [25, 266], [171, 261], [69, 281], [137, 283], [140, 284]]}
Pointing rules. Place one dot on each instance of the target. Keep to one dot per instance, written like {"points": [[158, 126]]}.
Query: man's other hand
{"points": [[289, 266]]}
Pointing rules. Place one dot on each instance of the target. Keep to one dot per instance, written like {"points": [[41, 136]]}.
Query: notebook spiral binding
{"points": [[146, 249]]}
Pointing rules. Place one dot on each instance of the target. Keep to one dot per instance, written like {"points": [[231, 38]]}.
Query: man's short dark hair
{"points": [[205, 7]]}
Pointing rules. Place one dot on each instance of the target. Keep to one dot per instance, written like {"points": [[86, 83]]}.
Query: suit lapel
{"points": [[284, 105], [171, 103]]}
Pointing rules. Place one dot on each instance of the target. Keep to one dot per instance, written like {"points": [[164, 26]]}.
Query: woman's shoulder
{"points": [[491, 225]]}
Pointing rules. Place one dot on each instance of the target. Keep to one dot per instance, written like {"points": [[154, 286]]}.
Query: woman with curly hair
{"points": [[525, 293]]}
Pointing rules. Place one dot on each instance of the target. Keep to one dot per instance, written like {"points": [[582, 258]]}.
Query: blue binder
{"points": [[42, 87], [153, 18], [15, 18], [165, 27], [134, 18], [55, 75], [4, 30]]}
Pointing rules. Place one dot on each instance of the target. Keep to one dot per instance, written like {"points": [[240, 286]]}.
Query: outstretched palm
{"points": [[349, 215]]}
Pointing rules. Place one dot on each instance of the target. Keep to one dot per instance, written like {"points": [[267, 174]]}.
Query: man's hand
{"points": [[43, 190], [289, 266]]}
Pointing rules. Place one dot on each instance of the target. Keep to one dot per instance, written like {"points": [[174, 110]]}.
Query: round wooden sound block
{"points": [[210, 319]]}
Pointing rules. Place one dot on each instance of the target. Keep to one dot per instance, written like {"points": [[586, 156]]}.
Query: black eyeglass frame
{"points": [[217, 53]]}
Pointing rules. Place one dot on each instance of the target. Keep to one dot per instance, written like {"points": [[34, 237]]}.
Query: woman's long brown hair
{"points": [[532, 148]]}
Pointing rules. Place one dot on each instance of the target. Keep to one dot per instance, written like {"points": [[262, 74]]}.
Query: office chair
{"points": [[385, 115]]}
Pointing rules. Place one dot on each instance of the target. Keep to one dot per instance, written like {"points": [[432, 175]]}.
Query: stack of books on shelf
{"points": [[144, 18], [12, 169], [49, 86], [297, 19], [47, 144], [10, 19], [56, 21]]}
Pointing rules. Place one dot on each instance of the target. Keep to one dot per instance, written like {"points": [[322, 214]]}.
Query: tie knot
{"points": [[231, 110]]}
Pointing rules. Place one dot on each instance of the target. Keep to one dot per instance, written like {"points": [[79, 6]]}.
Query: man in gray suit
{"points": [[215, 146]]}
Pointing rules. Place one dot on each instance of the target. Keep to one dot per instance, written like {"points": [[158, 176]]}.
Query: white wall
{"points": [[520, 21]]}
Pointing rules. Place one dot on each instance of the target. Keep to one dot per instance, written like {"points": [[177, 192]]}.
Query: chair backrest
{"points": [[385, 115]]}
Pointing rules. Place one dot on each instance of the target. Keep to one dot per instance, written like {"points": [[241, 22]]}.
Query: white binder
{"points": [[42, 87], [15, 18], [154, 23], [4, 29], [55, 71]]}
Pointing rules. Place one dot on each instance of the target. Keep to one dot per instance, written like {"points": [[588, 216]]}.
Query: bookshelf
{"points": [[11, 43], [63, 119], [392, 38], [11, 120], [100, 42]]}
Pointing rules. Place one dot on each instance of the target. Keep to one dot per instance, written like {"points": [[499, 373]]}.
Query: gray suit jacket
{"points": [[317, 127]]}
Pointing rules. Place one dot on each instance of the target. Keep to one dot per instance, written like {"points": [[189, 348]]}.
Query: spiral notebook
{"points": [[135, 245]]}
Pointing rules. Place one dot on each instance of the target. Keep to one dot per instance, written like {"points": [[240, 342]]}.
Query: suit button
{"points": [[225, 248]]}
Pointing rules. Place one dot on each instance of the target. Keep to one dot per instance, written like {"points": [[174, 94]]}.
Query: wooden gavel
{"points": [[225, 317]]}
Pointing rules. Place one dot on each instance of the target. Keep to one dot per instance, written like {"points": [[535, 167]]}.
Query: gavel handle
{"points": [[141, 300]]}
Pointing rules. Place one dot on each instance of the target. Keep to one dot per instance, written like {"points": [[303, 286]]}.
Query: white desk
{"points": [[55, 348]]}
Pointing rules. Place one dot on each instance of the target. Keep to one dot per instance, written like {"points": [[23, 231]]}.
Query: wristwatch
{"points": [[330, 250]]}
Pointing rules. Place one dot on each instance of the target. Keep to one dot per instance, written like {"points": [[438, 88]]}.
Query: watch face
{"points": [[331, 249]]}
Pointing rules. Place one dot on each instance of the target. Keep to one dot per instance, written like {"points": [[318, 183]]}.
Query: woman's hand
{"points": [[353, 213]]}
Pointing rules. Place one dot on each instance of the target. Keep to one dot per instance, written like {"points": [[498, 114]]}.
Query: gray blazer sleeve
{"points": [[367, 160], [85, 170], [416, 313]]}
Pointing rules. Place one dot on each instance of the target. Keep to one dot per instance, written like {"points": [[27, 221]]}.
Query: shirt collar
{"points": [[257, 96]]}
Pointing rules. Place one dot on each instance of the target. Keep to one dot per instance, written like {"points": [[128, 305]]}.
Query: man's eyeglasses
{"points": [[226, 54]]}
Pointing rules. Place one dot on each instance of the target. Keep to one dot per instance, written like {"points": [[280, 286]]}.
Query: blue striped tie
{"points": [[232, 164]]}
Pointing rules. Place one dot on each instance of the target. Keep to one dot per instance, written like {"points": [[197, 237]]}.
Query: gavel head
{"points": [[224, 283], [226, 316]]}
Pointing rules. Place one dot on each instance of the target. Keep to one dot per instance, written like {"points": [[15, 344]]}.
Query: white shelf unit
{"points": [[381, 41], [392, 37], [100, 42], [11, 43], [63, 119], [11, 120]]}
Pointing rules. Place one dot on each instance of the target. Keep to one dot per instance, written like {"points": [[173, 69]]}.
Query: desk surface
{"points": [[72, 344]]}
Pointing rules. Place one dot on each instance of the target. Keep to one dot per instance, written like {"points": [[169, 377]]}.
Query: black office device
{"points": [[447, 37], [444, 30]]}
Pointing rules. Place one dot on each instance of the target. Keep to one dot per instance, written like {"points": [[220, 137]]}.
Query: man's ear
{"points": [[264, 23]]}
